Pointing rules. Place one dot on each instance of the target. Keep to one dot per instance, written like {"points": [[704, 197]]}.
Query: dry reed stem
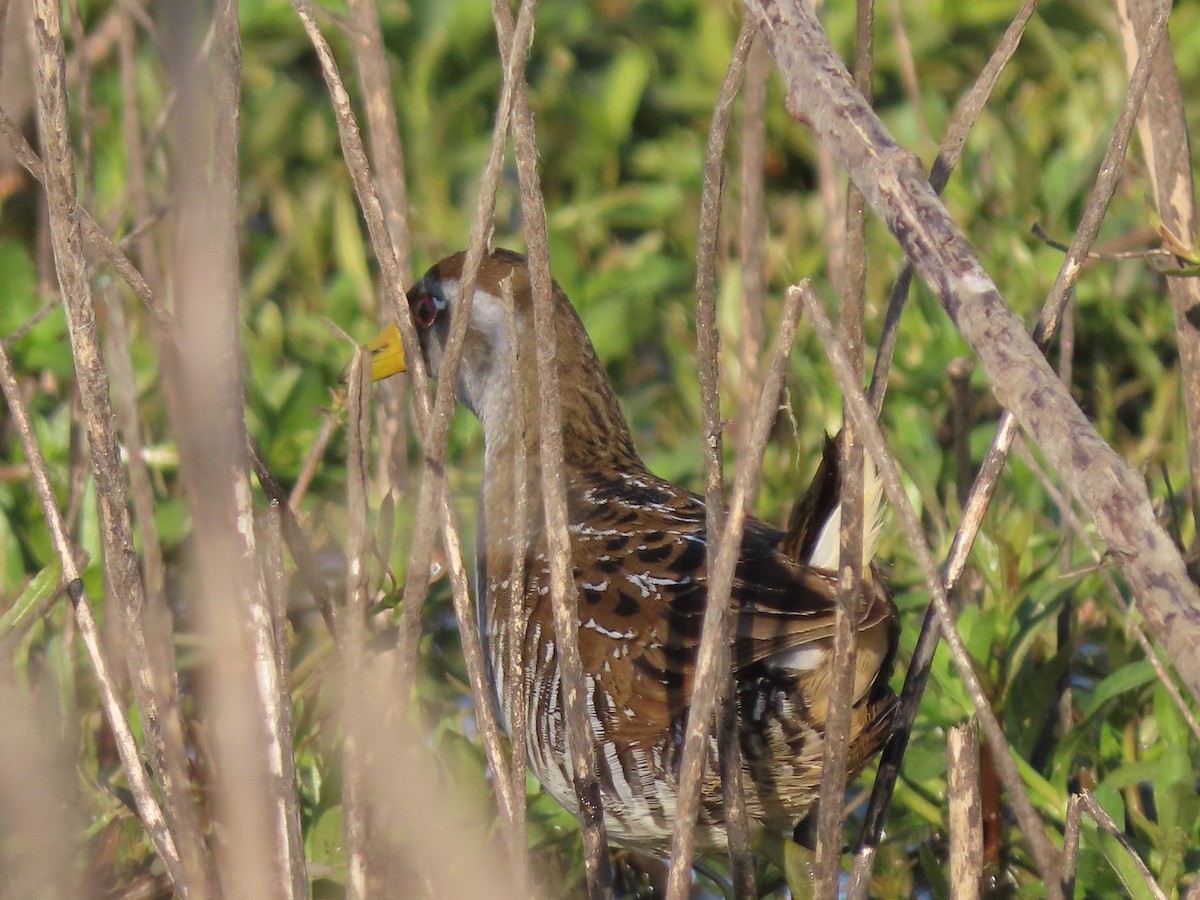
{"points": [[564, 593], [1066, 615], [273, 575], [1162, 127], [848, 612], [993, 464], [383, 131], [436, 425], [137, 163], [908, 67], [752, 219], [86, 157], [114, 711], [163, 728], [1070, 857], [119, 361], [417, 582], [241, 700], [352, 632], [1087, 800], [713, 643], [1077, 528], [707, 351], [387, 161], [1029, 821], [312, 460], [515, 678], [965, 811], [966, 114]]}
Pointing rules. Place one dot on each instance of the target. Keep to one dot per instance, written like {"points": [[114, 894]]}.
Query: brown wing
{"points": [[639, 548]]}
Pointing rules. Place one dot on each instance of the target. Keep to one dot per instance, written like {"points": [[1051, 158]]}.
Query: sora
{"points": [[638, 547]]}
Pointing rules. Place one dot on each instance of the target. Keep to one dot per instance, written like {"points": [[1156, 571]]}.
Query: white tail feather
{"points": [[827, 548]]}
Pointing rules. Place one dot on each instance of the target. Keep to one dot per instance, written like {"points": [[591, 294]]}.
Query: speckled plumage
{"points": [[638, 546]]}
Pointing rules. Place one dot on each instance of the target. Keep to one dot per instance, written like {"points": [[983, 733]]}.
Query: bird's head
{"points": [[484, 383], [433, 302]]}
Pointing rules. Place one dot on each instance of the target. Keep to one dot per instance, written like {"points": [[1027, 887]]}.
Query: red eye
{"points": [[424, 311]]}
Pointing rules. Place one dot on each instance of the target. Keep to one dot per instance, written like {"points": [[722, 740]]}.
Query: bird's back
{"points": [[639, 554]]}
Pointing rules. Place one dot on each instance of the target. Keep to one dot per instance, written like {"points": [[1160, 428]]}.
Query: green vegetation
{"points": [[623, 95]]}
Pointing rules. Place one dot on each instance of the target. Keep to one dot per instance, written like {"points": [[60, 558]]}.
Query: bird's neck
{"points": [[595, 435]]}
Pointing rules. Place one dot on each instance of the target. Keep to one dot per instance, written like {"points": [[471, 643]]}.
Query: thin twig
{"points": [[302, 553], [45, 310], [848, 611], [433, 498], [1166, 149], [1070, 857], [713, 644], [752, 220], [949, 153], [908, 68], [352, 632], [163, 729], [564, 593], [312, 459], [110, 700], [707, 341], [1043, 851], [387, 160], [273, 575], [137, 164], [516, 678], [1101, 817]]}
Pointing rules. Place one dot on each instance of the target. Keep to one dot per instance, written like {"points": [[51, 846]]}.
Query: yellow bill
{"points": [[387, 353]]}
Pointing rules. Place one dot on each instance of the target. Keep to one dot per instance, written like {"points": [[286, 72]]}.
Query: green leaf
{"points": [[19, 277], [800, 868], [627, 80], [1127, 678], [1178, 807], [40, 588], [1126, 869], [324, 842]]}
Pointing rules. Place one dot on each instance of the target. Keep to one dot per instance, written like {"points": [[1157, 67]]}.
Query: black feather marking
{"points": [[691, 559], [608, 564], [654, 554], [626, 605]]}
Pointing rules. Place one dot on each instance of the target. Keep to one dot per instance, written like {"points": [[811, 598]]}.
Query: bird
{"points": [[639, 557]]}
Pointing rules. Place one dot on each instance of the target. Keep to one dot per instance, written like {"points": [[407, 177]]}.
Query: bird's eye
{"points": [[424, 311]]}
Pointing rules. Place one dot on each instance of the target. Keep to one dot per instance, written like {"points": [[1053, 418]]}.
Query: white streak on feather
{"points": [[827, 547]]}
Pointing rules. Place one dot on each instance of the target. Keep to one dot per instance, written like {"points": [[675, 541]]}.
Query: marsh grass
{"points": [[229, 642]]}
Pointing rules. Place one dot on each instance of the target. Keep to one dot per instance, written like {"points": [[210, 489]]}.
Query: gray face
{"points": [[482, 384]]}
